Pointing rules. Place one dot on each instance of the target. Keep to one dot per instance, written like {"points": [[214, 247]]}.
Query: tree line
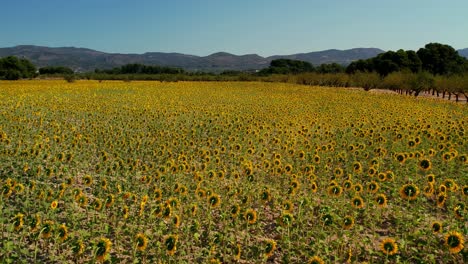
{"points": [[436, 68]]}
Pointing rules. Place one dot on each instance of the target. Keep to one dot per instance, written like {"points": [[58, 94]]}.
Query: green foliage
{"points": [[440, 59], [287, 66], [59, 70], [141, 69], [12, 68]]}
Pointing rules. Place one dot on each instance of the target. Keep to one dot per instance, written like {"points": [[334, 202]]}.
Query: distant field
{"points": [[228, 172]]}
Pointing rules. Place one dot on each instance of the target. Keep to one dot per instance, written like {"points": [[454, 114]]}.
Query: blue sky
{"points": [[202, 27]]}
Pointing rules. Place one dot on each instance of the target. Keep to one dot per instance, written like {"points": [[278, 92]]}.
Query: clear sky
{"points": [[202, 27]]}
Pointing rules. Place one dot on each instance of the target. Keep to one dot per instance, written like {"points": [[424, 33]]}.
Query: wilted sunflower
{"points": [[269, 248], [454, 241], [357, 202], [316, 260], [389, 246], [409, 192], [436, 227], [103, 247], [170, 243], [141, 242]]}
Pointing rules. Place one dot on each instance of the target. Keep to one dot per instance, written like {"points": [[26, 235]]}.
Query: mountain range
{"points": [[83, 60]]}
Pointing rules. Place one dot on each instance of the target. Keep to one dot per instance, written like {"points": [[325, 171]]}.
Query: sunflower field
{"points": [[229, 172]]}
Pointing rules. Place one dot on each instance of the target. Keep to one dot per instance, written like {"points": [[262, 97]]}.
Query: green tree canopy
{"points": [[12, 68]]}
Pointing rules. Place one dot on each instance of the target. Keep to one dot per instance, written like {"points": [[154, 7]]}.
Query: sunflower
{"points": [[429, 190], [166, 211], [103, 247], [425, 164], [77, 247], [87, 180], [357, 202], [265, 195], [430, 178], [436, 227], [18, 221], [389, 176], [441, 198], [373, 187], [141, 242], [316, 260], [109, 200], [35, 222], [381, 200], [286, 219], [176, 221], [409, 191], [465, 190], [237, 252], [348, 222], [454, 241], [234, 210], [459, 211], [327, 219], [382, 176], [214, 200], [389, 246], [269, 248], [400, 157], [442, 188], [357, 188], [288, 206], [334, 191], [193, 209], [357, 167], [250, 216], [348, 185], [97, 204], [314, 187], [170, 242], [62, 232], [47, 229]]}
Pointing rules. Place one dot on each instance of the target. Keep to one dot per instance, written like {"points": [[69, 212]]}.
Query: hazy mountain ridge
{"points": [[463, 52], [83, 59]]}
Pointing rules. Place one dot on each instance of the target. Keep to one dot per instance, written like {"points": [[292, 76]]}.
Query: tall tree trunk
{"points": [[450, 96], [443, 94]]}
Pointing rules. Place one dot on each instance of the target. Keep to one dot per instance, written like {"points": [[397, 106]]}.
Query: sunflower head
{"points": [[170, 243], [381, 200], [357, 202], [141, 242], [103, 246], [409, 191], [348, 222], [250, 216], [316, 260], [436, 227], [269, 247], [454, 241], [389, 246]]}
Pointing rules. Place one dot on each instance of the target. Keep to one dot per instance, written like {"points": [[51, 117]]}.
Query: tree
{"points": [[55, 70], [440, 59], [12, 68], [287, 66]]}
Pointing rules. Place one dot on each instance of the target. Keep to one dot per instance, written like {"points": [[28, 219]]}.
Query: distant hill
{"points": [[463, 52], [81, 59]]}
